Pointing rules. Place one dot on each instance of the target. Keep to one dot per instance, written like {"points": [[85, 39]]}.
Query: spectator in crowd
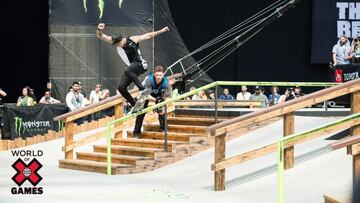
{"points": [[289, 94], [342, 52], [355, 50], [244, 94], [50, 88], [81, 90], [2, 95], [211, 94], [200, 96], [95, 94], [71, 89], [26, 99], [105, 94], [226, 95], [298, 92], [32, 95], [48, 99], [274, 96], [74, 99], [191, 89], [258, 96]]}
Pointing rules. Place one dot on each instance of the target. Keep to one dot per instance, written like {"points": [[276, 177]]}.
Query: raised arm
{"points": [[101, 35], [149, 35]]}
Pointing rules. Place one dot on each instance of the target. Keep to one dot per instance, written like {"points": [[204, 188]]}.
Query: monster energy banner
{"points": [[91, 12], [30, 121], [331, 19]]}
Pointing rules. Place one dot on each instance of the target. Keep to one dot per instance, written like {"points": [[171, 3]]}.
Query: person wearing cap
{"points": [[258, 96], [298, 92], [128, 50]]}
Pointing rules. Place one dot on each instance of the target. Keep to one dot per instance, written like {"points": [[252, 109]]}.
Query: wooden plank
{"points": [[69, 138], [289, 129], [220, 103], [343, 199], [1, 145], [118, 114], [273, 147], [345, 142], [355, 108], [219, 175], [284, 108]]}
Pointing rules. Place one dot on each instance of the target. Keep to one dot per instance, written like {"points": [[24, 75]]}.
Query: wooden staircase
{"points": [[186, 136]]}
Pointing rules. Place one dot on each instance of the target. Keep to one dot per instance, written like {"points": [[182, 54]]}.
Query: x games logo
{"points": [[27, 172]]}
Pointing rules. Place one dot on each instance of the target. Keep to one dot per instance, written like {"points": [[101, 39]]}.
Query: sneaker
{"points": [[136, 135]]}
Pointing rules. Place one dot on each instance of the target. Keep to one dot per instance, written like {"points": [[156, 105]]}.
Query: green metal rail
{"points": [[209, 86], [298, 136]]}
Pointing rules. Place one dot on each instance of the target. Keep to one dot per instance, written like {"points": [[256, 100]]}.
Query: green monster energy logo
{"points": [[61, 125], [19, 125], [101, 4]]}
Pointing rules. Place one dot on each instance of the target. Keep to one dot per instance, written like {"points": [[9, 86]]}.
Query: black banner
{"points": [[344, 73], [331, 19], [112, 12], [30, 121]]}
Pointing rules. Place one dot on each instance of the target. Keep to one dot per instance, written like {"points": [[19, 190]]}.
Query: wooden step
{"points": [[192, 121], [182, 137], [147, 143], [125, 150], [115, 158], [92, 166], [179, 115], [177, 128]]}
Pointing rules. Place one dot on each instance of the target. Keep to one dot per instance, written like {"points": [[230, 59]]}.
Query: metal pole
{"points": [[216, 104], [325, 103], [166, 129]]}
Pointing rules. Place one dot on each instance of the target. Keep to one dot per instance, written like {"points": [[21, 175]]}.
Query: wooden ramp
{"points": [[186, 136]]}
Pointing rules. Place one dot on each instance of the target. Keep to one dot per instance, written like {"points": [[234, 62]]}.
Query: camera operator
{"points": [[288, 95], [160, 89]]}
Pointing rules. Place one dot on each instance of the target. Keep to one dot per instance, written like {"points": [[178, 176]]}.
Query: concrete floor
{"points": [[318, 171]]}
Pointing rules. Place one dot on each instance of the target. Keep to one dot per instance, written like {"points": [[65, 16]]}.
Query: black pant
{"points": [[130, 75], [140, 119]]}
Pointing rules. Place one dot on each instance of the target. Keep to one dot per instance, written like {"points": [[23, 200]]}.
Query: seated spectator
{"points": [[50, 88], [355, 50], [191, 89], [298, 93], [74, 99], [2, 95], [26, 99], [226, 95], [104, 94], [200, 96], [244, 94], [258, 96], [95, 94], [211, 94], [289, 94], [274, 96], [342, 52], [47, 99]]}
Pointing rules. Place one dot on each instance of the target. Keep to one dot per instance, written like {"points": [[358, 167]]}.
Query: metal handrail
{"points": [[211, 85]]}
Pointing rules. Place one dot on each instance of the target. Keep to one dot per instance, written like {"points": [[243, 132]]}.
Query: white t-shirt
{"points": [[243, 96], [94, 97]]}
